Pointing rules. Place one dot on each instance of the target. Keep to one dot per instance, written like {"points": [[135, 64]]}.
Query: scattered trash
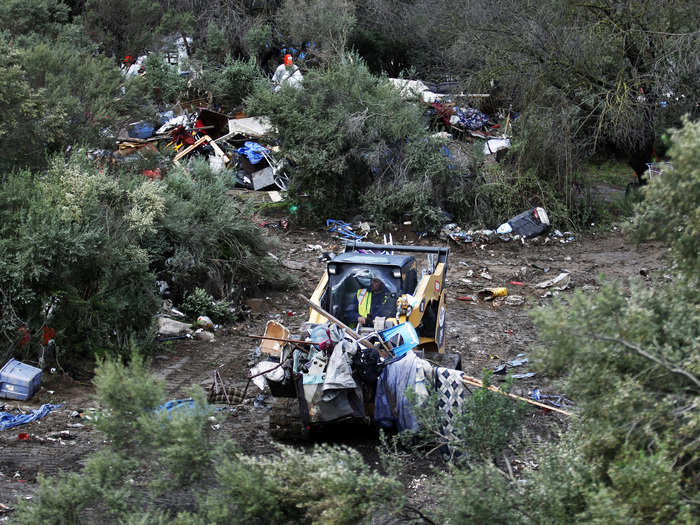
{"points": [[495, 145], [266, 370], [259, 401], [453, 232], [556, 400], [488, 294], [205, 140], [170, 327], [515, 300], [203, 335], [530, 223], [19, 380], [519, 360], [415, 89], [8, 420], [563, 238], [486, 275], [204, 322], [343, 230], [562, 280], [517, 283], [523, 376], [471, 298]]}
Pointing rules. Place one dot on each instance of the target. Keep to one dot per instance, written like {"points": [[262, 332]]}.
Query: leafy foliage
{"points": [[671, 208], [90, 243], [631, 364], [71, 239], [199, 302], [340, 125], [229, 83], [482, 428], [164, 450], [323, 485]]}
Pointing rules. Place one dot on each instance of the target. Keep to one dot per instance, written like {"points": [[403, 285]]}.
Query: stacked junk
{"points": [[336, 374], [241, 145]]}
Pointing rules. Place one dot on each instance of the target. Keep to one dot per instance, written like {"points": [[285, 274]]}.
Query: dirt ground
{"points": [[486, 334]]}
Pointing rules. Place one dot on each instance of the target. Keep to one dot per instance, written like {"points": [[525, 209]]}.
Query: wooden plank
{"points": [[473, 381]]}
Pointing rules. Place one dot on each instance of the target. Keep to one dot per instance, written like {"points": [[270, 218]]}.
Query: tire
{"points": [[285, 420]]}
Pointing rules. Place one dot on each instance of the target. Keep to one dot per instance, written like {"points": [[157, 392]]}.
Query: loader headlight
{"points": [[331, 269], [397, 273]]}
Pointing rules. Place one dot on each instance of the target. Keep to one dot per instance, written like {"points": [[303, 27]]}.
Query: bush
{"points": [[67, 96], [229, 83], [480, 430], [164, 84], [415, 182], [90, 243], [199, 302], [205, 239], [631, 363], [71, 257], [343, 123], [148, 452], [671, 208], [323, 485]]}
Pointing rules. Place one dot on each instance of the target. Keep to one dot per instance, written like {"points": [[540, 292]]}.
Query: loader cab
{"points": [[348, 273]]}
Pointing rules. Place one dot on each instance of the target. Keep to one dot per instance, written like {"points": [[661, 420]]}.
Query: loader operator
{"points": [[373, 299]]}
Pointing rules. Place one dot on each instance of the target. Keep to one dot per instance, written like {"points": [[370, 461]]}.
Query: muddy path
{"points": [[486, 334]]}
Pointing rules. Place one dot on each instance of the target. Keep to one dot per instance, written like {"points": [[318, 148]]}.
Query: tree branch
{"points": [[661, 362]]}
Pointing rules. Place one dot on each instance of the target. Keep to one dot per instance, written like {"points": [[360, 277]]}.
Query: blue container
{"points": [[19, 381], [141, 130]]}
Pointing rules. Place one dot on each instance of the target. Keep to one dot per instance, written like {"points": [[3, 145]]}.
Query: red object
{"points": [[180, 134], [288, 60], [518, 283], [444, 113], [465, 298], [25, 336], [23, 436], [152, 174], [48, 333], [199, 125]]}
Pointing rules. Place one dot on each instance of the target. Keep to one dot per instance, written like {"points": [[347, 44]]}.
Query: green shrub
{"points": [[71, 238], [229, 83], [481, 429], [205, 239], [199, 302], [414, 182], [336, 129], [323, 485], [671, 206], [101, 486], [126, 392], [164, 83]]}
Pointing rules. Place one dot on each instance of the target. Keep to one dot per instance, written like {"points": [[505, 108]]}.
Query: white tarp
{"points": [[415, 88], [250, 126], [494, 145]]}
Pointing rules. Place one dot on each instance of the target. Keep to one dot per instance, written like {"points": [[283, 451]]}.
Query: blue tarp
{"points": [[8, 420], [472, 118], [253, 151]]}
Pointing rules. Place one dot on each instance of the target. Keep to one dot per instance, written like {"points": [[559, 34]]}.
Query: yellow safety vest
{"points": [[364, 302]]}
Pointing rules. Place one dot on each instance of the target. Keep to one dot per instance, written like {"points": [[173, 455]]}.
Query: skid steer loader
{"points": [[369, 288]]}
